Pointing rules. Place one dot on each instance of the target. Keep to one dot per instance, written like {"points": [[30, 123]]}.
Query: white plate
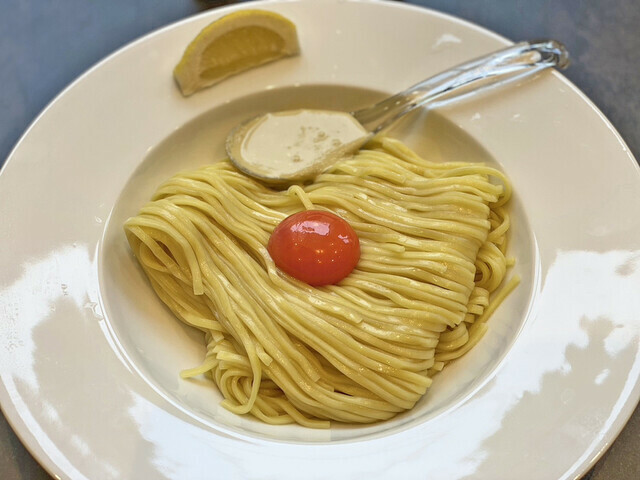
{"points": [[90, 359]]}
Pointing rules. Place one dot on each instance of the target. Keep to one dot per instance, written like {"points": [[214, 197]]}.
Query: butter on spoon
{"points": [[293, 146]]}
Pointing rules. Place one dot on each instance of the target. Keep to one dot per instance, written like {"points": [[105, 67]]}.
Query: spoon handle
{"points": [[513, 63]]}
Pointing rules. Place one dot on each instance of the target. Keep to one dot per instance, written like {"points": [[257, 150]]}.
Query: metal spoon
{"points": [[282, 162]]}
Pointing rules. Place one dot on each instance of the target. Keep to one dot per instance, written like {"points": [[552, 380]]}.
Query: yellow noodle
{"points": [[433, 239]]}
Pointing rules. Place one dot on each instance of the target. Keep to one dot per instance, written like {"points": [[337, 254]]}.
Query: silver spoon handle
{"points": [[493, 70]]}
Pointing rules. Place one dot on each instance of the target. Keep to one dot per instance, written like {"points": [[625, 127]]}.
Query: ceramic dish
{"points": [[90, 358]]}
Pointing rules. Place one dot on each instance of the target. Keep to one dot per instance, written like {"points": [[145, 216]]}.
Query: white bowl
{"points": [[91, 358]]}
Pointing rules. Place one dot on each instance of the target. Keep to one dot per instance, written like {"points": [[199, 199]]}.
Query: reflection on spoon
{"points": [[293, 146]]}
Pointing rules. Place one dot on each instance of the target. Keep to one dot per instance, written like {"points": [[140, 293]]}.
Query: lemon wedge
{"points": [[232, 44]]}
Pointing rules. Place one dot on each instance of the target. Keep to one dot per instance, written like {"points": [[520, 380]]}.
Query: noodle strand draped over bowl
{"points": [[433, 242]]}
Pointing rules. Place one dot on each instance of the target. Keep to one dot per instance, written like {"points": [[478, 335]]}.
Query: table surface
{"points": [[45, 45]]}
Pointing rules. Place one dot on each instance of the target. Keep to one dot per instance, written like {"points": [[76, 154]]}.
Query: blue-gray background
{"points": [[46, 44]]}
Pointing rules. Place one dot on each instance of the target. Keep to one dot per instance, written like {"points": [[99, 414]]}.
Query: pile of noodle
{"points": [[433, 242]]}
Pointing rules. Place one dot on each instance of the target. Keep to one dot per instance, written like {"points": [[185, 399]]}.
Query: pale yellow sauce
{"points": [[296, 144]]}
